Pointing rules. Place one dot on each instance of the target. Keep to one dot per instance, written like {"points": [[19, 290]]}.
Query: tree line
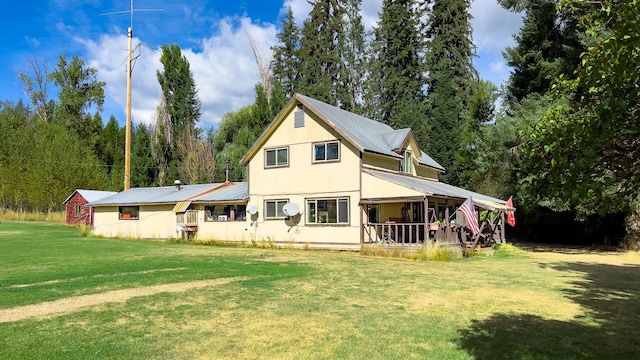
{"points": [[561, 135]]}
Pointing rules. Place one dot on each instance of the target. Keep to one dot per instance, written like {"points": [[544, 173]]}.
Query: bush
{"points": [[504, 249]]}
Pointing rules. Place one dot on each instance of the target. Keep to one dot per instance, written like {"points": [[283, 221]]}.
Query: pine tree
{"points": [[320, 51], [143, 166], [451, 75], [396, 68], [547, 46], [286, 63], [351, 42]]}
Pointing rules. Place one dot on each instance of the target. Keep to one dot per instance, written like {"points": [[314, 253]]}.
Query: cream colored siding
{"points": [[155, 222], [380, 162], [426, 172]]}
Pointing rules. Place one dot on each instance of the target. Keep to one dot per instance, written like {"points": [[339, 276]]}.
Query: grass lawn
{"points": [[65, 296]]}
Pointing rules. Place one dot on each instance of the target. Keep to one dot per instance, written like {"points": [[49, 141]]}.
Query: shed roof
{"points": [[91, 195], [440, 189], [365, 134]]}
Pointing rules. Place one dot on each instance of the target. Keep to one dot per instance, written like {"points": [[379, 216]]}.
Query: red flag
{"points": [[511, 217], [469, 212]]}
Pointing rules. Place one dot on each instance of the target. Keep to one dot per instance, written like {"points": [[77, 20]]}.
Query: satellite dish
{"points": [[252, 210], [291, 209]]}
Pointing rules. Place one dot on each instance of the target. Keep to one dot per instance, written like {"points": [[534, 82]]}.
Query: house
{"points": [[318, 176], [204, 210], [76, 210]]}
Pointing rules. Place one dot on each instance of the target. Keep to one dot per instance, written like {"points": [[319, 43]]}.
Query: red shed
{"points": [[77, 211]]}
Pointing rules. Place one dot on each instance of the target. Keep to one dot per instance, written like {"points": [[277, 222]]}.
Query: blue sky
{"points": [[213, 35]]}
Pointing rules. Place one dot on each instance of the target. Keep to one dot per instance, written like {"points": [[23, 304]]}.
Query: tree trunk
{"points": [[632, 230]]}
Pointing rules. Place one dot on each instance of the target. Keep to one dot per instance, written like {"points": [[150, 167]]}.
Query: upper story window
{"points": [[276, 157], [326, 151], [408, 162]]}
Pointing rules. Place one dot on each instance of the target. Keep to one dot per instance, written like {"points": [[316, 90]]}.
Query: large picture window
{"points": [[225, 213], [129, 212], [328, 211], [273, 209], [327, 151], [276, 157]]}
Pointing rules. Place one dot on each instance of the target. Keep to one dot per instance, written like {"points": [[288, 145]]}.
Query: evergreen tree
{"points": [[144, 171], [286, 62], [450, 80], [352, 48], [547, 46], [320, 51], [396, 66]]}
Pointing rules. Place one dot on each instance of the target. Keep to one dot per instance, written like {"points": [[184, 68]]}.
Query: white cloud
{"points": [[225, 70], [493, 26]]}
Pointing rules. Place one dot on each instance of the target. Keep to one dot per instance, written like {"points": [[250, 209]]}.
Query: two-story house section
{"points": [[326, 177]]}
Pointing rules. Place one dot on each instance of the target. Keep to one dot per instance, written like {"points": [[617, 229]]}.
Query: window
{"points": [[225, 213], [77, 210], [328, 151], [129, 212], [298, 117], [408, 162], [277, 157], [328, 211], [273, 209]]}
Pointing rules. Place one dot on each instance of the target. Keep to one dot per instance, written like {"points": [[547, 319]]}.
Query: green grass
{"points": [[291, 304]]}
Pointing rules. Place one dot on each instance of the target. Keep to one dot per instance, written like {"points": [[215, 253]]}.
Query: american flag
{"points": [[468, 210]]}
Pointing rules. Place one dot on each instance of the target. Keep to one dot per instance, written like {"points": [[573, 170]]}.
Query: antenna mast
{"points": [[127, 146]]}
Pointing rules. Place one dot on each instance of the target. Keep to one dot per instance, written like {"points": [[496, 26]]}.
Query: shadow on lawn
{"points": [[610, 296]]}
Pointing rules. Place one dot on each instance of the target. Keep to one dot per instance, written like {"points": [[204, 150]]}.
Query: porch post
{"points": [[503, 239], [426, 219], [361, 224]]}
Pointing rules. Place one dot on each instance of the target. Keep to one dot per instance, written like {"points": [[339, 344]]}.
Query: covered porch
{"points": [[426, 211]]}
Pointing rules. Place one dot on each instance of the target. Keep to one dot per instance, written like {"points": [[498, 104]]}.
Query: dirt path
{"points": [[68, 305]]}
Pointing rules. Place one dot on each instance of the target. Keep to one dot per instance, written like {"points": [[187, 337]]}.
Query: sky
{"points": [[213, 35]]}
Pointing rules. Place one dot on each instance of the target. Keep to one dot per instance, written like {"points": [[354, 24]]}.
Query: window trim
{"points": [[338, 200], [276, 201], [408, 162], [77, 210], [276, 149], [325, 143], [122, 216]]}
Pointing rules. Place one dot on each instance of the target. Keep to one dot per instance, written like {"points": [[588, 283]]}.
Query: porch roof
{"points": [[439, 189]]}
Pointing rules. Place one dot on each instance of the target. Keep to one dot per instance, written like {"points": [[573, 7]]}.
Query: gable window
{"points": [[129, 212], [273, 209], [328, 211], [276, 157], [408, 162], [326, 151]]}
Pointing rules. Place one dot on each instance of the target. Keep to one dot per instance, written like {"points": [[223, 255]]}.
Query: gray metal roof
{"points": [[231, 192], [425, 159], [169, 195], [366, 134], [91, 195], [154, 195], [432, 188]]}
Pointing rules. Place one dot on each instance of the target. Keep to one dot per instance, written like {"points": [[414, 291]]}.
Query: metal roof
{"points": [[91, 195], [435, 188], [231, 192], [425, 159], [154, 195], [169, 195]]}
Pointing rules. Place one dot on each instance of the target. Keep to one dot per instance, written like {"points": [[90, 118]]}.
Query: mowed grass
{"points": [[287, 304]]}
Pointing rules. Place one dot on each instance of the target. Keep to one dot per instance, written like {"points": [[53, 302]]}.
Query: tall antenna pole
{"points": [[127, 146]]}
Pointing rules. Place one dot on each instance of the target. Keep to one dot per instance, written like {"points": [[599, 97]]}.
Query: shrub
{"points": [[504, 249]]}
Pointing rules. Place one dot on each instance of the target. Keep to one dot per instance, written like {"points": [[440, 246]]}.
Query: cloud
{"points": [[493, 26], [224, 70]]}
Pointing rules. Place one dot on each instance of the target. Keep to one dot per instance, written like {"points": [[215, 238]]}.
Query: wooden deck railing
{"points": [[409, 233], [188, 218]]}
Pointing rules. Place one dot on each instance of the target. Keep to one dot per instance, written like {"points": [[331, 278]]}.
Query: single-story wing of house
{"points": [[318, 176]]}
